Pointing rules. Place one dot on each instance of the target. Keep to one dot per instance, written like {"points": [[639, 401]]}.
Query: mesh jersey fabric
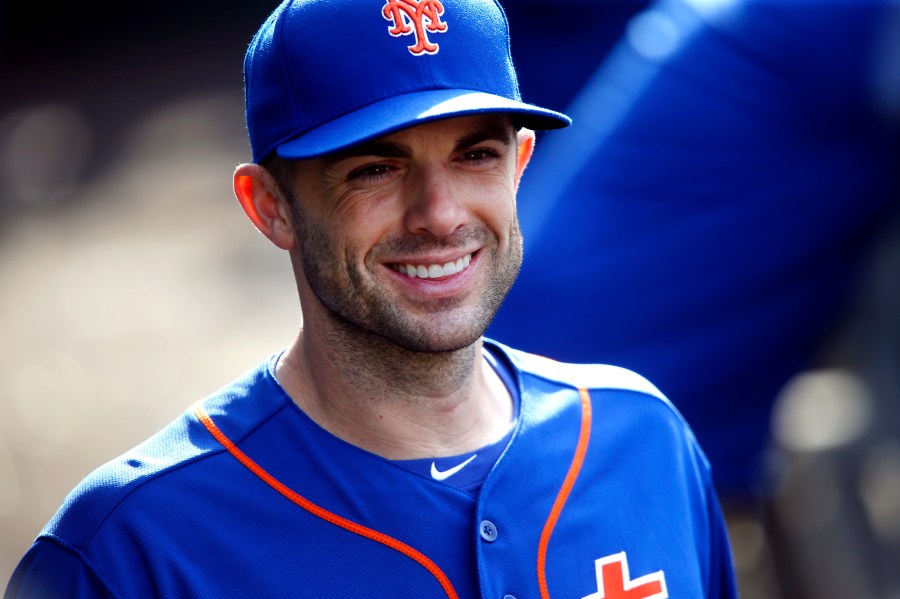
{"points": [[180, 516]]}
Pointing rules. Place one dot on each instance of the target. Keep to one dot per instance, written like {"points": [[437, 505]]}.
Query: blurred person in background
{"points": [[724, 203]]}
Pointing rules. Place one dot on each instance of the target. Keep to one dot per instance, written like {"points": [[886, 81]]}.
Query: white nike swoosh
{"points": [[438, 475]]}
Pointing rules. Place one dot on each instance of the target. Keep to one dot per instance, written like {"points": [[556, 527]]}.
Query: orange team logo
{"points": [[614, 582], [417, 17]]}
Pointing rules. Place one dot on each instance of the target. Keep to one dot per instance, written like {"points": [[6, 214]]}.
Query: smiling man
{"points": [[390, 450], [403, 249]]}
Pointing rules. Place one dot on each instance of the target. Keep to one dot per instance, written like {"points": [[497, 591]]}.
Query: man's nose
{"points": [[436, 205]]}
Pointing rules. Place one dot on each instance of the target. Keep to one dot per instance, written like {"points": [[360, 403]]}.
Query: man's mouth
{"points": [[434, 271]]}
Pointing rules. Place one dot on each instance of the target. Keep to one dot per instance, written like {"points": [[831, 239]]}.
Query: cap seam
{"points": [[430, 70], [279, 26]]}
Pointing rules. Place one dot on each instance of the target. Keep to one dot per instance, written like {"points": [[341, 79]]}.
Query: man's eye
{"points": [[479, 155], [370, 172]]}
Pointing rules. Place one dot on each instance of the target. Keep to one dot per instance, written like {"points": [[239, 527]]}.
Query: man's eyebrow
{"points": [[493, 132], [388, 149], [384, 149]]}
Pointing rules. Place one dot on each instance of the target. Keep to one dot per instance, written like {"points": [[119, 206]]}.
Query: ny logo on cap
{"points": [[417, 17]]}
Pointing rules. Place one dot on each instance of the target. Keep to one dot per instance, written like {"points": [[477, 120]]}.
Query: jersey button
{"points": [[509, 597], [488, 531]]}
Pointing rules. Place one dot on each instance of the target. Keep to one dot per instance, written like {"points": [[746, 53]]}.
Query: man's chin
{"points": [[433, 344], [435, 333]]}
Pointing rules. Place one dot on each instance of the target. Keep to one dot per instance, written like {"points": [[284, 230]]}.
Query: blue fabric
{"points": [[321, 76], [478, 465], [704, 220], [181, 517], [52, 571]]}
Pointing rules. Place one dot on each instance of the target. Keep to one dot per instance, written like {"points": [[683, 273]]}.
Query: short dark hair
{"points": [[282, 171]]}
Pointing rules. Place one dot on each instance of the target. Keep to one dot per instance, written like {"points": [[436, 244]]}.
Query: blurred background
{"points": [[131, 283], [722, 219]]}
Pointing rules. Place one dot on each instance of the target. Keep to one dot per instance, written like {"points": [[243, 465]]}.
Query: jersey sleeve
{"points": [[51, 571]]}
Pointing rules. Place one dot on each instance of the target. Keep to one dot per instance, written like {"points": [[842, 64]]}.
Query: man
{"points": [[390, 451]]}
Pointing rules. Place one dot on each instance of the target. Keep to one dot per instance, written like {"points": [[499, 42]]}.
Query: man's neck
{"points": [[394, 402]]}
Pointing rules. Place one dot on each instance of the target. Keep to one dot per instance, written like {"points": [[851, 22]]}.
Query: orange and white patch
{"points": [[417, 18]]}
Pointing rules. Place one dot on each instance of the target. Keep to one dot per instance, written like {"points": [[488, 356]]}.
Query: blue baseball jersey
{"points": [[601, 493]]}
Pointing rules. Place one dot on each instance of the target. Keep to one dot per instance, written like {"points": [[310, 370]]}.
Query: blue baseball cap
{"points": [[323, 75]]}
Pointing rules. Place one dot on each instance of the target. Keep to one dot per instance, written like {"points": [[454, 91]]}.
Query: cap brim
{"points": [[408, 110]]}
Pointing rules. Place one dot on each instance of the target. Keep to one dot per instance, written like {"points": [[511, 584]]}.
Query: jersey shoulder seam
{"points": [[55, 539], [203, 455]]}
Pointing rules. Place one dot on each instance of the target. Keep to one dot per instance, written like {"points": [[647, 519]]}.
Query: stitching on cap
{"points": [[279, 26]]}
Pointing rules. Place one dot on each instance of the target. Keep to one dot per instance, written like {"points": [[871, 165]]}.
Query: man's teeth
{"points": [[434, 271]]}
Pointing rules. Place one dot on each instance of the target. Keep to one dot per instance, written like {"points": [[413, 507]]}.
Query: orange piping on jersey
{"points": [[574, 468], [321, 512]]}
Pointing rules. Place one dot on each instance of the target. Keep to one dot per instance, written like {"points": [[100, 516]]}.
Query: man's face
{"points": [[414, 236]]}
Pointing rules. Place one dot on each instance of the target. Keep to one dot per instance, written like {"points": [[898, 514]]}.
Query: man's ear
{"points": [[525, 141], [260, 198]]}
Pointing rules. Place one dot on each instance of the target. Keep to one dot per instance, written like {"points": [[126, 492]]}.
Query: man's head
{"points": [[396, 159], [412, 237]]}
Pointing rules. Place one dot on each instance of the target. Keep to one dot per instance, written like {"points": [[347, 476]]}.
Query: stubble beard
{"points": [[364, 314]]}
